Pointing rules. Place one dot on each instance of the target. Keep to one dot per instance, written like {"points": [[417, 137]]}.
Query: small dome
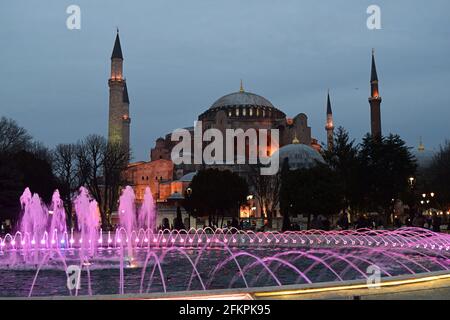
{"points": [[242, 98], [300, 156], [188, 177]]}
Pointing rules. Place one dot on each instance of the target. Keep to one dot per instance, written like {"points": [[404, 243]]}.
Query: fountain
{"points": [[137, 258]]}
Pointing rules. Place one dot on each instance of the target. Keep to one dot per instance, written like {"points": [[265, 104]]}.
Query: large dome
{"points": [[242, 98], [300, 156]]}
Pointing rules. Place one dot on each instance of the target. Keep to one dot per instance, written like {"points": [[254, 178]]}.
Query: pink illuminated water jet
{"points": [[147, 212]]}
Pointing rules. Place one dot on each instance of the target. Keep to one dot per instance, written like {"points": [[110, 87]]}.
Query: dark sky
{"points": [[180, 56]]}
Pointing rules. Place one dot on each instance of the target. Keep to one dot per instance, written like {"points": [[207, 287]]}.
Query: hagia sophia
{"points": [[241, 109]]}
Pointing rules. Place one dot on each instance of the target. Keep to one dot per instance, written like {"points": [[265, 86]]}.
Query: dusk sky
{"points": [[181, 56]]}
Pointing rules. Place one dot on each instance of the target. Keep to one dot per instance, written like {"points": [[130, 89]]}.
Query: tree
{"points": [[286, 182], [23, 163], [310, 192], [216, 193], [439, 176], [100, 167], [343, 160], [386, 165], [11, 186], [267, 191], [90, 156], [316, 191], [115, 161], [65, 169], [13, 137]]}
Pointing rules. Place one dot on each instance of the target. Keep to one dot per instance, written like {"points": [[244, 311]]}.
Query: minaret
{"points": [[329, 126], [375, 101], [126, 120], [119, 119], [421, 147]]}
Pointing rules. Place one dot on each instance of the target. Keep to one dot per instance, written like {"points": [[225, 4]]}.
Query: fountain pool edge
{"points": [[403, 286]]}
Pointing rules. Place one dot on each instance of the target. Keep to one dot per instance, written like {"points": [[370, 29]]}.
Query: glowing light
{"points": [[237, 296], [351, 287]]}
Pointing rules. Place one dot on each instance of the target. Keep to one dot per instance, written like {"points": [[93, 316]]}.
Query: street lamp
{"points": [[427, 198]]}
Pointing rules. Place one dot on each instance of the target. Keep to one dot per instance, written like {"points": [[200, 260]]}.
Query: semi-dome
{"points": [[242, 98], [300, 156]]}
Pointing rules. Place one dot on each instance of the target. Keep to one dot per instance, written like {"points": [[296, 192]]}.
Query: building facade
{"points": [[238, 110]]}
